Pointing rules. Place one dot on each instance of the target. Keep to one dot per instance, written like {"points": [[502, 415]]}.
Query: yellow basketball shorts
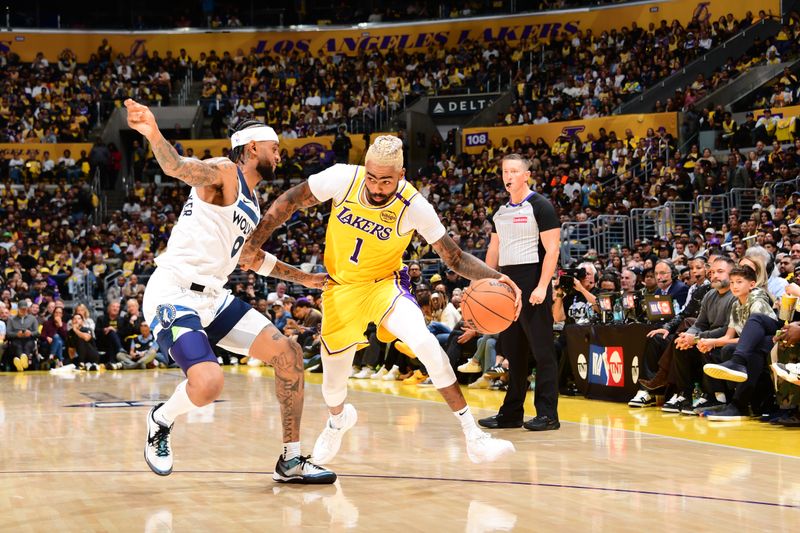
{"points": [[348, 309]]}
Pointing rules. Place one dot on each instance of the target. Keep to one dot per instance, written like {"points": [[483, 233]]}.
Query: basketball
{"points": [[488, 306]]}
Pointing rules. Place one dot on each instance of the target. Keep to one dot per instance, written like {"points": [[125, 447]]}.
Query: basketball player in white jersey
{"points": [[374, 214], [188, 307]]}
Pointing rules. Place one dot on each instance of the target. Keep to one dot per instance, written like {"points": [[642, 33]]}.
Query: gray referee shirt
{"points": [[518, 227]]}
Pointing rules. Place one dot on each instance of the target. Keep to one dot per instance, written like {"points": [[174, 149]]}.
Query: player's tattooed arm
{"points": [[472, 268], [466, 265], [193, 172], [208, 173], [298, 197], [289, 273]]}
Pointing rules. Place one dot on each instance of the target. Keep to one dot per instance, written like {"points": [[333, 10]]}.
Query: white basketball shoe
{"points": [[483, 448], [157, 449], [329, 441]]}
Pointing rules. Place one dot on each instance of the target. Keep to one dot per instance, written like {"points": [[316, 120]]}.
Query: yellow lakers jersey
{"points": [[363, 243]]}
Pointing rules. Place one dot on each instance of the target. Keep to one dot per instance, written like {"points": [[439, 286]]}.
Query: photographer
{"points": [[572, 299], [574, 294]]}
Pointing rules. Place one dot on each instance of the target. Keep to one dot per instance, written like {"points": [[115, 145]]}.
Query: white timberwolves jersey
{"points": [[206, 242]]}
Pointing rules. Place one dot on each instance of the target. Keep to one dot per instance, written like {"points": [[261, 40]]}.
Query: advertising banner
{"points": [[414, 37], [459, 104], [476, 139], [36, 151]]}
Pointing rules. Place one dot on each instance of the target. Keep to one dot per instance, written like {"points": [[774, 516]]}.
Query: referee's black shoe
{"points": [[541, 423], [498, 422]]}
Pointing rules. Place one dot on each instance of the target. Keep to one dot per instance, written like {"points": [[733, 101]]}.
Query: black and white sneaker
{"points": [[495, 372], [642, 399], [302, 470], [157, 449], [676, 404]]}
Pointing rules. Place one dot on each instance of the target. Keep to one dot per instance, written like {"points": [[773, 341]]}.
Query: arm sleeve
{"points": [[545, 214], [422, 218], [332, 183]]}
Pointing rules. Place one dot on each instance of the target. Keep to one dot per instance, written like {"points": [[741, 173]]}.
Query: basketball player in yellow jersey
{"points": [[373, 216]]}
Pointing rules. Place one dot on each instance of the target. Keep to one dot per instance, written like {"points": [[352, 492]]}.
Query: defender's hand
{"points": [[140, 118]]}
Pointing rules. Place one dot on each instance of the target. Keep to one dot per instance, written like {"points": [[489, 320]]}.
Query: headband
{"points": [[259, 133]]}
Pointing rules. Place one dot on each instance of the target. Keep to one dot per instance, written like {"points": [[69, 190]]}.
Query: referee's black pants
{"points": [[532, 331]]}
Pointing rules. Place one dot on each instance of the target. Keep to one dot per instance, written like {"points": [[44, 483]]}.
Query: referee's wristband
{"points": [[267, 265]]}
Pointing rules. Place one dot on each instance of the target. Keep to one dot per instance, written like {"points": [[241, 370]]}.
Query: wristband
{"points": [[267, 265]]}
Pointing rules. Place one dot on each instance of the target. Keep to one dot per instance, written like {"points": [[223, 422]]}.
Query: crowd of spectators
{"points": [[301, 94], [304, 94], [588, 76], [57, 99]]}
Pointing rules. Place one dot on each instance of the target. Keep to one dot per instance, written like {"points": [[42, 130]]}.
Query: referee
{"points": [[525, 244]]}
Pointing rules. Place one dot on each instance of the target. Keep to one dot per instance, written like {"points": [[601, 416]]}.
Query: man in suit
{"points": [[666, 278]]}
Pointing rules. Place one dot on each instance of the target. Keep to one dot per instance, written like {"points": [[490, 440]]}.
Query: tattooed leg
{"points": [[286, 357]]}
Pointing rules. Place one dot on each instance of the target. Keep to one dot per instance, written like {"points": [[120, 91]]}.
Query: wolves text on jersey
{"points": [[346, 216], [243, 223]]}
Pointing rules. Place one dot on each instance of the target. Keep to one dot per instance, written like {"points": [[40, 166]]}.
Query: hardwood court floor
{"points": [[71, 460]]}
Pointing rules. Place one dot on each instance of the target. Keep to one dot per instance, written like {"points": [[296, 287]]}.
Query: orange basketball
{"points": [[488, 306]]}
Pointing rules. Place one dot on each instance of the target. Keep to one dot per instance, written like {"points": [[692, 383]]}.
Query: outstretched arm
{"points": [[470, 267], [295, 275], [298, 197], [270, 266], [208, 173]]}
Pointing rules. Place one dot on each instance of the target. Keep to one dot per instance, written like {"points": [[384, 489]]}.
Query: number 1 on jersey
{"points": [[354, 257]]}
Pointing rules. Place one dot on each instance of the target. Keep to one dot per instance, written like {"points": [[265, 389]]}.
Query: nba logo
{"points": [[607, 366], [597, 361]]}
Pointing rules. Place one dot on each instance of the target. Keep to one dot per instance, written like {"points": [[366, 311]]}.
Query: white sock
{"points": [[178, 404], [291, 450], [467, 422], [720, 397], [337, 421]]}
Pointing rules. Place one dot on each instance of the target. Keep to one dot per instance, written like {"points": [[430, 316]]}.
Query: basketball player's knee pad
{"points": [[334, 391], [191, 348], [335, 373], [431, 355]]}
